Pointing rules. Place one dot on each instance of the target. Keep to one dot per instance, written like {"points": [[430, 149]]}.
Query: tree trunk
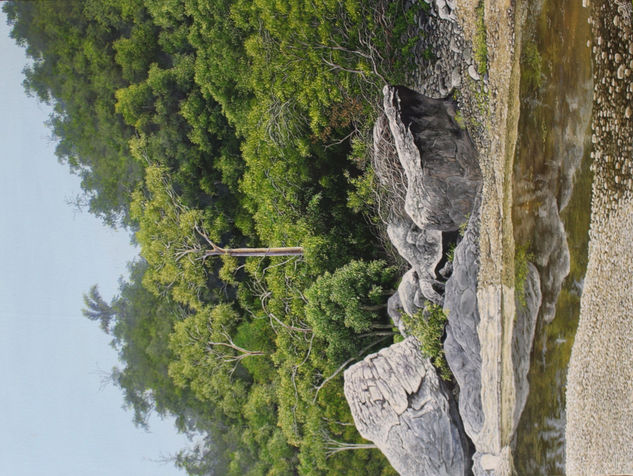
{"points": [[375, 307], [292, 251]]}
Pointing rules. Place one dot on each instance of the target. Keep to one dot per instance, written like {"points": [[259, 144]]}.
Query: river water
{"points": [[551, 211]]}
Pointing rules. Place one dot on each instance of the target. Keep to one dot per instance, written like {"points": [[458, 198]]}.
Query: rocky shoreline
{"points": [[486, 348], [489, 334]]}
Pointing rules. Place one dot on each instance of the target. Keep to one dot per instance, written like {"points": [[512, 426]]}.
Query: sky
{"points": [[56, 418]]}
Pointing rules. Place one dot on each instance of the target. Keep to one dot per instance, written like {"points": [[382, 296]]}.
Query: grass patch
{"points": [[459, 118], [521, 259], [427, 325], [479, 101], [480, 46], [462, 228], [450, 255], [428, 54]]}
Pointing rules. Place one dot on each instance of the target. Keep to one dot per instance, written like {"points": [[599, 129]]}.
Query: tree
{"points": [[347, 309], [349, 305], [175, 241], [140, 324], [97, 309], [206, 362], [73, 69]]}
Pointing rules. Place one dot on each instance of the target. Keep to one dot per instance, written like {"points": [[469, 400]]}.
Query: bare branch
{"points": [[347, 362]]}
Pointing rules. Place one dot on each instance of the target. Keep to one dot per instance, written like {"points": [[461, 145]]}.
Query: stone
{"points": [[438, 157], [455, 48], [409, 292], [447, 270], [464, 350], [422, 249], [445, 14], [472, 72], [456, 78], [399, 402], [462, 346], [436, 187]]}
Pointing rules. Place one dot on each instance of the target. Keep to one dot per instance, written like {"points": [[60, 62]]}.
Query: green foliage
{"points": [[205, 367], [241, 123], [463, 226], [169, 240], [73, 68], [459, 118], [348, 303], [480, 40], [450, 255], [428, 54], [97, 309], [521, 259], [362, 197], [427, 325]]}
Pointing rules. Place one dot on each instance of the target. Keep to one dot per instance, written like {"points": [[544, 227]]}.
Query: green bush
{"points": [[521, 259], [348, 308], [427, 325], [450, 254]]}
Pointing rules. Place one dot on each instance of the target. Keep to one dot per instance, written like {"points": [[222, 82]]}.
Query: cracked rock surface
{"points": [[462, 346], [422, 249], [437, 155], [398, 402]]}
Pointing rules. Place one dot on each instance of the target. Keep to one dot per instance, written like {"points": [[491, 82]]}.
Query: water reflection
{"points": [[552, 193]]}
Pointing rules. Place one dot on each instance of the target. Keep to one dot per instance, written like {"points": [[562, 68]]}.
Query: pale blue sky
{"points": [[54, 418]]}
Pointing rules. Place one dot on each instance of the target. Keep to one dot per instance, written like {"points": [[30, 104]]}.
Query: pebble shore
{"points": [[599, 431]]}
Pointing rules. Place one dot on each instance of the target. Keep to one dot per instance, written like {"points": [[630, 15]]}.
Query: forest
{"points": [[206, 125]]}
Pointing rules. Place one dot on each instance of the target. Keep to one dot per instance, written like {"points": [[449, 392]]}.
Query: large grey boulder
{"points": [[462, 346], [422, 248], [429, 167], [398, 402], [443, 190], [437, 155], [408, 299]]}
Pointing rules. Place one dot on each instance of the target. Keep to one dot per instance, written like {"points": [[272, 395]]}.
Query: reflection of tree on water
{"points": [[552, 186]]}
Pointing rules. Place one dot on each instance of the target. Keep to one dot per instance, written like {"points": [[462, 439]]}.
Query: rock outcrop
{"points": [[399, 403], [470, 353], [438, 163], [396, 397], [422, 249], [438, 157], [462, 346]]}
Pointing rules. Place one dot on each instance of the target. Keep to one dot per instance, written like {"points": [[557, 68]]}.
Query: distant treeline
{"points": [[243, 123]]}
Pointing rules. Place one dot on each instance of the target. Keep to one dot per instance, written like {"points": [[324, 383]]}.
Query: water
{"points": [[551, 211]]}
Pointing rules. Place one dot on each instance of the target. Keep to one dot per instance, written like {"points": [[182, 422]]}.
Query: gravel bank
{"points": [[599, 432], [600, 388]]}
